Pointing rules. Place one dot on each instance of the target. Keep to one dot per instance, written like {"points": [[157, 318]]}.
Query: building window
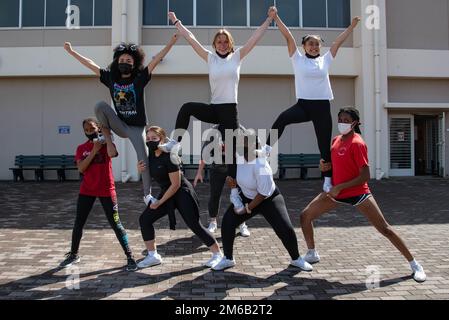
{"points": [[183, 9], [234, 13], [294, 13], [208, 12], [33, 13], [9, 13], [339, 13], [52, 13]]}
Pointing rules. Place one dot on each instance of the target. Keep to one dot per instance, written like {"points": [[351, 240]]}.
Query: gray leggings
{"points": [[109, 119]]}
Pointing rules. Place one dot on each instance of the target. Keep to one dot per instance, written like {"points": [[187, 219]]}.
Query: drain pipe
{"points": [[124, 36], [377, 98]]}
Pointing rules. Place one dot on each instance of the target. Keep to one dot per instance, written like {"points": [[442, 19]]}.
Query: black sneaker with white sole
{"points": [[132, 265], [70, 259]]}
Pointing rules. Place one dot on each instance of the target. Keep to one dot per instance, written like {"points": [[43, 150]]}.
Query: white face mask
{"points": [[344, 128]]}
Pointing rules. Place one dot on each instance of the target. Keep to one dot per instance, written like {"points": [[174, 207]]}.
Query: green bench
{"points": [[302, 161], [40, 163]]}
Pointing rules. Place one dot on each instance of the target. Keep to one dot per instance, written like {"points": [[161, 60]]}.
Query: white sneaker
{"points": [[312, 256], [216, 258], [150, 260], [302, 264], [212, 227], [168, 146], [264, 151], [224, 264], [244, 232], [101, 139], [418, 272], [148, 199], [236, 200]]}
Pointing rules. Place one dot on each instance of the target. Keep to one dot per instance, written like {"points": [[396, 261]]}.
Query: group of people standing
{"points": [[344, 161]]}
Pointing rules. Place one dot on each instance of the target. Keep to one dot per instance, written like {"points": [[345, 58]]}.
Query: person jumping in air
{"points": [[224, 75], [126, 78], [313, 90]]}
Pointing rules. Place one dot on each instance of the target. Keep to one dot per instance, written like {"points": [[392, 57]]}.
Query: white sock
{"points": [[235, 191], [215, 254], [152, 253], [311, 251], [328, 180], [413, 263]]}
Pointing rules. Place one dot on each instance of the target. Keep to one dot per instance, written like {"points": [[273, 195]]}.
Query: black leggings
{"points": [[187, 208], [218, 175], [274, 211], [317, 111], [224, 114], [83, 208]]}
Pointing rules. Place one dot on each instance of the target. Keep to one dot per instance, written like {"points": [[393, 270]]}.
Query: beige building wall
{"points": [[33, 108], [55, 37], [418, 90], [417, 24]]}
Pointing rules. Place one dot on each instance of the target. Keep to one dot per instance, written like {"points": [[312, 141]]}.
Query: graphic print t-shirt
{"points": [[128, 96], [98, 180]]}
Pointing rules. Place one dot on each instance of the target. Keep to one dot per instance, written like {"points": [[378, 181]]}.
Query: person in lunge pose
{"points": [[126, 78], [313, 89], [350, 174], [260, 196], [93, 159], [176, 193]]}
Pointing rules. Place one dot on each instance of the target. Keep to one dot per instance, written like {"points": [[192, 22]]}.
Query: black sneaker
{"points": [[132, 265], [70, 258]]}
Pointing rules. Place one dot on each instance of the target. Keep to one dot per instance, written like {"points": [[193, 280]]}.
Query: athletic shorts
{"points": [[354, 201]]}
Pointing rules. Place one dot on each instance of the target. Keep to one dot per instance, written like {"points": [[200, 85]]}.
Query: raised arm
{"points": [[291, 43], [158, 58], [343, 36], [257, 35], [83, 60], [199, 49]]}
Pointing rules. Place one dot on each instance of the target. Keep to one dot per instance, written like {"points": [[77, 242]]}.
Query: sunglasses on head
{"points": [[123, 47]]}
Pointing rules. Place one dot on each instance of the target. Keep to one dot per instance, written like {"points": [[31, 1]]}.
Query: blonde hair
{"points": [[228, 35], [157, 130]]}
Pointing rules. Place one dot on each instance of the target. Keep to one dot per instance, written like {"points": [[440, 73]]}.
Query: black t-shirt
{"points": [[160, 167], [128, 96]]}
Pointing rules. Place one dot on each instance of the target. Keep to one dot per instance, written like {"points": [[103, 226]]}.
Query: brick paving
{"points": [[35, 232]]}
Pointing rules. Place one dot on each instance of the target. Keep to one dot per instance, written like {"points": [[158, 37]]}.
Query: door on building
{"points": [[402, 148], [429, 144]]}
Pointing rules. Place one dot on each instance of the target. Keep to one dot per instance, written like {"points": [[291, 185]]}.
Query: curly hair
{"points": [[134, 51]]}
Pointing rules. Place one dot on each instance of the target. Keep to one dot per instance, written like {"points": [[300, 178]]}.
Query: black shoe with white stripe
{"points": [[70, 259]]}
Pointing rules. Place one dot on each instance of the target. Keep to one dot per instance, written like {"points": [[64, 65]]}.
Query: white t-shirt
{"points": [[312, 76], [255, 177], [224, 76]]}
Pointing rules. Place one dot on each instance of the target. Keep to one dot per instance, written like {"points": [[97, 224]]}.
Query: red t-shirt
{"points": [[348, 157], [98, 179]]}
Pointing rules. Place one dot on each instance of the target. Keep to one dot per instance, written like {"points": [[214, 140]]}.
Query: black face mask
{"points": [[312, 57], [153, 145], [92, 136], [223, 56], [125, 68]]}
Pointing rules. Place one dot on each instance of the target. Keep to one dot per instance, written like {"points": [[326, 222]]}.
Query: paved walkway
{"points": [[36, 222]]}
